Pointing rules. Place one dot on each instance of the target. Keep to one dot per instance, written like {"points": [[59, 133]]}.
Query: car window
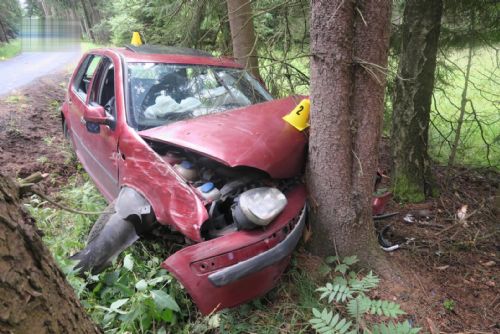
{"points": [[103, 87], [164, 93], [85, 74]]}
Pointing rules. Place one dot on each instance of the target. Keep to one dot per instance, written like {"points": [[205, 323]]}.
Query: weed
{"points": [[43, 159], [48, 140], [449, 304], [15, 99]]}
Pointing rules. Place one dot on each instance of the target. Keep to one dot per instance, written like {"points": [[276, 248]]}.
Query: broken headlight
{"points": [[258, 207]]}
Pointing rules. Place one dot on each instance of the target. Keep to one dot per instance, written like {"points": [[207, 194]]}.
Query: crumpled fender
{"points": [[173, 201]]}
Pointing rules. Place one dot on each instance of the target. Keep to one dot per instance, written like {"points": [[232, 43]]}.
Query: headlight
{"points": [[258, 206]]}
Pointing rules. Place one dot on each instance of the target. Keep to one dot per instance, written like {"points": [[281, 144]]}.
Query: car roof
{"points": [[173, 55]]}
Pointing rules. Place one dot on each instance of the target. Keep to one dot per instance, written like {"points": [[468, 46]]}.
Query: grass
{"points": [[9, 50]]}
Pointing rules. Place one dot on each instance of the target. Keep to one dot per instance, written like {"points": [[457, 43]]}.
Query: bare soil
{"points": [[31, 137], [448, 266]]}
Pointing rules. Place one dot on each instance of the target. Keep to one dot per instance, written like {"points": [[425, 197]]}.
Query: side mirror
{"points": [[95, 114]]}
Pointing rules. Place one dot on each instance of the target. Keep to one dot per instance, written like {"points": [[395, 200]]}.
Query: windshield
{"points": [[164, 93]]}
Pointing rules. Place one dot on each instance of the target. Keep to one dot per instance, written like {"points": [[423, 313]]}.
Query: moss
{"points": [[406, 189]]}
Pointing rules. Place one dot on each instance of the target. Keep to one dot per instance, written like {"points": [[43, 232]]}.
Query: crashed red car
{"points": [[175, 137]]}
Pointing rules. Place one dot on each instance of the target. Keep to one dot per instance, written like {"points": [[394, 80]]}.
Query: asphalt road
{"points": [[28, 66]]}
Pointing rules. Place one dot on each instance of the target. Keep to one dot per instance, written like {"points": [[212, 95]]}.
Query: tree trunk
{"points": [[243, 34], [192, 39], [463, 101], [34, 295], [86, 21], [347, 91], [4, 38], [412, 100]]}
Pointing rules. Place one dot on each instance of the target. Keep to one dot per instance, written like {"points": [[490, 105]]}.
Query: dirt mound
{"points": [[30, 132]]}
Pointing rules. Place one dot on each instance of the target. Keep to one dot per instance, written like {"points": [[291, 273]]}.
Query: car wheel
{"points": [[65, 129]]}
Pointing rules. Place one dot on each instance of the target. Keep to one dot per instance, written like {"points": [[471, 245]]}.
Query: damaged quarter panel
{"points": [[254, 136], [173, 201]]}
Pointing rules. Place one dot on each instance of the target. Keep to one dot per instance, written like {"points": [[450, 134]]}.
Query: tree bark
{"points": [[34, 295], [412, 100], [4, 38], [243, 34], [463, 101], [349, 44], [192, 39], [86, 21]]}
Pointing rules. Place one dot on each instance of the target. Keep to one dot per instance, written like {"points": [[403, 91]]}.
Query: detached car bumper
{"points": [[243, 265]]}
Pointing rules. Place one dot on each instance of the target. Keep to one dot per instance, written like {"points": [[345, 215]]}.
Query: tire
{"points": [[65, 129], [101, 222]]}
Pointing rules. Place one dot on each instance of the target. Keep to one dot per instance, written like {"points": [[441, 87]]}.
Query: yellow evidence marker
{"points": [[299, 116], [136, 39]]}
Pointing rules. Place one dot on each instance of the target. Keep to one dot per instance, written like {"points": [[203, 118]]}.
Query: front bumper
{"points": [[233, 269]]}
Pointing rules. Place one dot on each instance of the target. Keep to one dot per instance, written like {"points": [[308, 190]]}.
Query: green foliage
{"points": [[327, 323], [393, 328], [135, 294], [337, 292], [348, 291], [449, 304], [9, 50], [479, 143], [10, 16]]}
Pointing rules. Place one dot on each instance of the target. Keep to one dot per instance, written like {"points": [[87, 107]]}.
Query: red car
{"points": [[175, 137]]}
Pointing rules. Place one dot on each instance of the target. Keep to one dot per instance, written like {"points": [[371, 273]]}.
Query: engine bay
{"points": [[236, 198]]}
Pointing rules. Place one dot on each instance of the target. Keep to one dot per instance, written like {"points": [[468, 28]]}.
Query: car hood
{"points": [[254, 136]]}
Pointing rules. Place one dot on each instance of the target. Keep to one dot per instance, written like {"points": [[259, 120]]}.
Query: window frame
{"points": [[82, 70]]}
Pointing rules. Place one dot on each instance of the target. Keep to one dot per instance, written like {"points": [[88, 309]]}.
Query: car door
{"points": [[97, 144], [77, 103]]}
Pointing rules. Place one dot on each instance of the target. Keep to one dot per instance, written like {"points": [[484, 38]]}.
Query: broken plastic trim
{"points": [[130, 202], [279, 252]]}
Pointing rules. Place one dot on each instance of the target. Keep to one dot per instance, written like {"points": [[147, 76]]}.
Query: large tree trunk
{"points": [[34, 295], [347, 91], [243, 34], [412, 99]]}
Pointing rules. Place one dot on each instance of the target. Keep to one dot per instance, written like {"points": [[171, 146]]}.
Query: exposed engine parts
{"points": [[239, 198]]}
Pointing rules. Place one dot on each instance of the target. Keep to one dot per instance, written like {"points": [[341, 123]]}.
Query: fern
{"points": [[337, 292], [350, 260], [385, 307], [393, 328], [350, 290], [358, 306], [327, 323], [368, 282]]}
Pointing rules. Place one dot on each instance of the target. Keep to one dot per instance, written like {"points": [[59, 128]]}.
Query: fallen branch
{"points": [[27, 186]]}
